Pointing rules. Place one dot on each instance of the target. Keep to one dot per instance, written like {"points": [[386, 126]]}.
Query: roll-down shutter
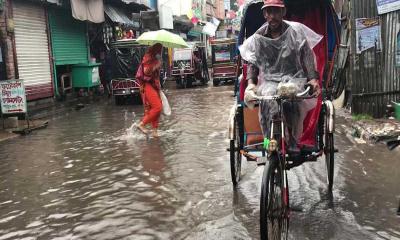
{"points": [[32, 49], [68, 38]]}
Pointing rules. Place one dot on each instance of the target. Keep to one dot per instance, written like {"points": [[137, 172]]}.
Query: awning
{"points": [[118, 16], [92, 11]]}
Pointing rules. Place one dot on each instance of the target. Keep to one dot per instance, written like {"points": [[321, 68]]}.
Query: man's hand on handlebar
{"points": [[316, 88], [250, 95]]}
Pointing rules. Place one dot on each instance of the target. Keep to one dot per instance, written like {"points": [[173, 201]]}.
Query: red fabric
{"points": [[273, 3], [152, 105], [141, 77], [149, 70], [243, 83], [314, 19]]}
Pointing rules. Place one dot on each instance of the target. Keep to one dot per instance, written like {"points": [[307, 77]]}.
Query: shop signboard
{"points": [[210, 29], [13, 98], [222, 56], [368, 34], [386, 6]]}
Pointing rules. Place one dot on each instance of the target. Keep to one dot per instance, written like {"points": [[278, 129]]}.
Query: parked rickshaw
{"points": [[224, 59], [189, 65], [247, 140], [127, 56]]}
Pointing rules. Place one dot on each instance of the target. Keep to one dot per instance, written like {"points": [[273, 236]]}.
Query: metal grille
{"points": [[68, 37], [32, 49], [374, 75]]}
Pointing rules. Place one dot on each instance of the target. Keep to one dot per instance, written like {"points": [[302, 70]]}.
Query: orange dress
{"points": [[150, 94]]}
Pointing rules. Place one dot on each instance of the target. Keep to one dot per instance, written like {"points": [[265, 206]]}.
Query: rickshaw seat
{"points": [[254, 138], [252, 127]]}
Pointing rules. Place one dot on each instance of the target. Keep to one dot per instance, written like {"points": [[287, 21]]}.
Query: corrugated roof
{"points": [[117, 15], [144, 3]]}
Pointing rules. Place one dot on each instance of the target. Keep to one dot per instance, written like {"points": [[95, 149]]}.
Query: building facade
{"points": [[370, 73], [219, 9]]}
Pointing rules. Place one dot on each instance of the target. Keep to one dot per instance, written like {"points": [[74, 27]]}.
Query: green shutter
{"points": [[68, 38]]}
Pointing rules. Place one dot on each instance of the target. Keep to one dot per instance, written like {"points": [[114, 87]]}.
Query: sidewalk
{"points": [[5, 135], [22, 129], [372, 130], [40, 112]]}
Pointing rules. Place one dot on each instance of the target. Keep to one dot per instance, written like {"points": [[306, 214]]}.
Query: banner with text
{"points": [[386, 6], [12, 96], [368, 34]]}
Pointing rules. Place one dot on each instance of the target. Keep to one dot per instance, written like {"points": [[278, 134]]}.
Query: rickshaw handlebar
{"points": [[299, 96]]}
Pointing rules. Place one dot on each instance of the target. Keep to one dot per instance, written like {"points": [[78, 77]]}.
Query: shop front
{"points": [[32, 49], [70, 48]]}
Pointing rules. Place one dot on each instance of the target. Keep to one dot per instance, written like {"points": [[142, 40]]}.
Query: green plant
{"points": [[359, 117]]}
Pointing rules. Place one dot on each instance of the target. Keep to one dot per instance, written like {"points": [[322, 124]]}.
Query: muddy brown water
{"points": [[87, 177]]}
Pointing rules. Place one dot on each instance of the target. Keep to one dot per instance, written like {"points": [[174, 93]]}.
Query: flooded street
{"points": [[87, 177]]}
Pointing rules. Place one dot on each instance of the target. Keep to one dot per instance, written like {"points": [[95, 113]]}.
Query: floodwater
{"points": [[87, 176]]}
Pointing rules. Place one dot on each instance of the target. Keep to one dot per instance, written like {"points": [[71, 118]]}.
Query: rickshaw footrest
{"points": [[262, 161], [248, 156]]}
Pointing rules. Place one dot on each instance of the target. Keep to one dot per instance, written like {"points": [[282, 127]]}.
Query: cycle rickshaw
{"points": [[189, 65], [223, 60], [247, 141]]}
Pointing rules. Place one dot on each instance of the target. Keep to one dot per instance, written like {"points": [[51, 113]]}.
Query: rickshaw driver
{"points": [[281, 51]]}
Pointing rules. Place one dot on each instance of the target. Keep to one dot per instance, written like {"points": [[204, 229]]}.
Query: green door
{"points": [[68, 38]]}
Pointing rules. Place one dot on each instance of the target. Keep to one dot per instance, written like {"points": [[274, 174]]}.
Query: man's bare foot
{"points": [[142, 128]]}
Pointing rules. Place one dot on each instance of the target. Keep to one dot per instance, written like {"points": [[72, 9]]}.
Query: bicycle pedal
{"points": [[262, 161], [312, 158]]}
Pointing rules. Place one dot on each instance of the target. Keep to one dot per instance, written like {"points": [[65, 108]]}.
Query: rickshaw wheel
{"points": [[181, 83], [215, 83], [329, 154], [189, 82], [206, 76], [274, 221], [235, 155], [119, 100]]}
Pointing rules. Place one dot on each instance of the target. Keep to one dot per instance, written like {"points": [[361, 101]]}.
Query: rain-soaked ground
{"points": [[86, 177]]}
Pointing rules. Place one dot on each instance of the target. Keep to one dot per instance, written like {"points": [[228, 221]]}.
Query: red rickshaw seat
{"points": [[254, 139]]}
